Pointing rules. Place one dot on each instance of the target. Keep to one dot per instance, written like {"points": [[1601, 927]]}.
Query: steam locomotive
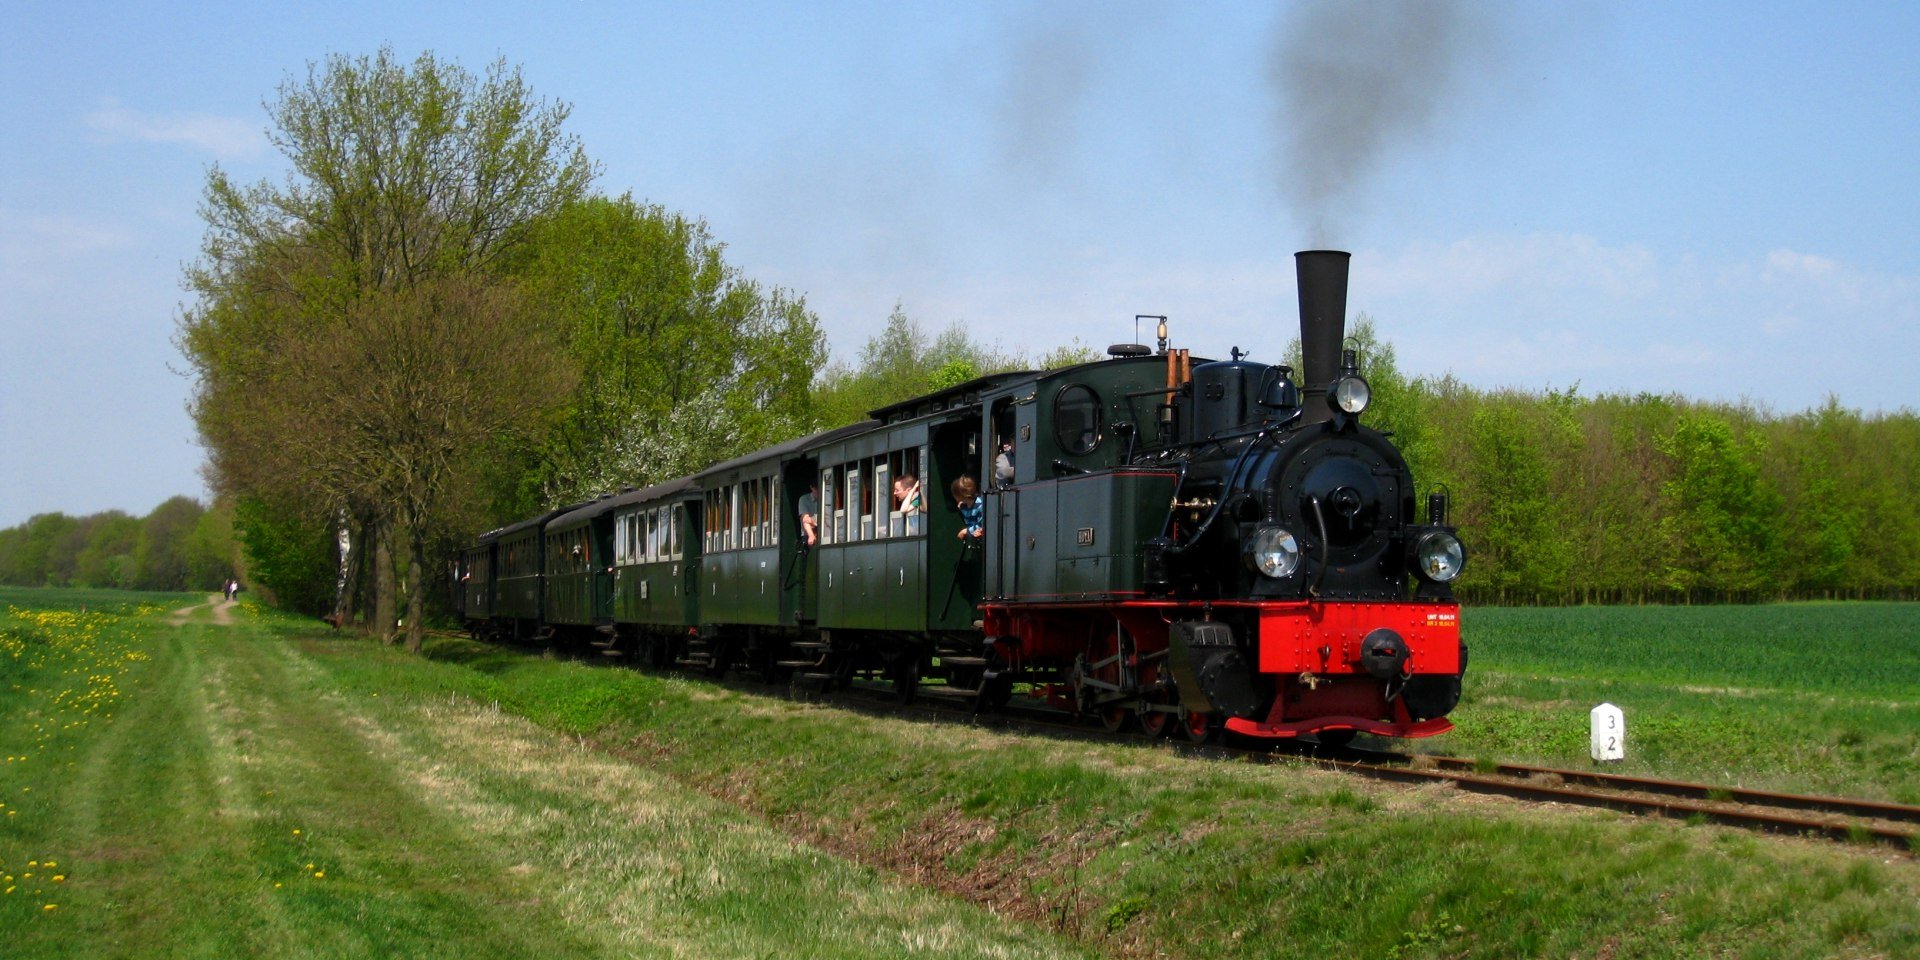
{"points": [[1159, 540]]}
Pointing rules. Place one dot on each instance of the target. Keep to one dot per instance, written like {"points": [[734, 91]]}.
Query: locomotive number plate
{"points": [[1084, 536]]}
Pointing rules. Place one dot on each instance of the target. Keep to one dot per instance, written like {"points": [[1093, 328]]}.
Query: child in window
{"points": [[973, 512]]}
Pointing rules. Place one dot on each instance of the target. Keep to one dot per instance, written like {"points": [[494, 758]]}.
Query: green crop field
{"points": [[176, 786], [1816, 697]]}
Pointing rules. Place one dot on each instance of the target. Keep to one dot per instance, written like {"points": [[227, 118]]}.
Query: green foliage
{"points": [[903, 362], [107, 559], [1722, 519], [211, 550], [356, 343], [162, 555], [1511, 515], [684, 361], [179, 546], [289, 553]]}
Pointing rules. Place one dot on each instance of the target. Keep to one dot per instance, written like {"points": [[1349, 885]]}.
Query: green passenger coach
{"points": [[579, 566], [657, 545]]}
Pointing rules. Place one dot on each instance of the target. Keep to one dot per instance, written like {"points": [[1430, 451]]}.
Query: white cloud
{"points": [[227, 138]]}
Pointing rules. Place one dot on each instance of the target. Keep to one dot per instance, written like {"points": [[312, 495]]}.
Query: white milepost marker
{"points": [[1609, 732]]}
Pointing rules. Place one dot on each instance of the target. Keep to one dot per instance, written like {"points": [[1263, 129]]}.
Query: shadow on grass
{"points": [[472, 654]]}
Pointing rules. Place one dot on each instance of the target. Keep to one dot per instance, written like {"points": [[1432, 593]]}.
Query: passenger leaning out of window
{"points": [[966, 496]]}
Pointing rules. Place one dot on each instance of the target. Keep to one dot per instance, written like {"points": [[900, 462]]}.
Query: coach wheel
{"points": [[768, 667], [906, 676], [1198, 727]]}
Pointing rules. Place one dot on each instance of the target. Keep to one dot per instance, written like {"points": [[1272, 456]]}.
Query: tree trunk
{"points": [[342, 596], [383, 604], [416, 593]]}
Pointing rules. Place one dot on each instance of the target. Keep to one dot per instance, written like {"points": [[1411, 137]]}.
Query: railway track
{"points": [[1833, 818]]}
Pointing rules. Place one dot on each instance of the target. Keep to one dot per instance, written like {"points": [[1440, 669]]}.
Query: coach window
{"points": [[749, 514], [1076, 419], [765, 514], [833, 522], [882, 493], [856, 504], [713, 521], [734, 533], [760, 513]]}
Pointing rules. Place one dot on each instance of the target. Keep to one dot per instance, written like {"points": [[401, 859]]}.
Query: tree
{"points": [[34, 555], [160, 554], [212, 554], [1520, 548], [1721, 526], [353, 326], [107, 559], [399, 174], [683, 360], [902, 362]]}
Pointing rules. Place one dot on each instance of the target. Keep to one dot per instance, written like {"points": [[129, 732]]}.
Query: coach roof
{"points": [[784, 450]]}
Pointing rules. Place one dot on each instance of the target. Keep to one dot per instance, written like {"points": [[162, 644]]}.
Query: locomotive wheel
{"points": [[1198, 727], [1154, 723], [1114, 717]]}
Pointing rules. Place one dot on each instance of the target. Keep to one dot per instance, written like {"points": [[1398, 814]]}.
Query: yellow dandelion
{"points": [[309, 866], [317, 874], [59, 878], [278, 885], [49, 906], [296, 831]]}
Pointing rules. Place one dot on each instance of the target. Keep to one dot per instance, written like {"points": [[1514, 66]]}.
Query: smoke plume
{"points": [[1356, 81]]}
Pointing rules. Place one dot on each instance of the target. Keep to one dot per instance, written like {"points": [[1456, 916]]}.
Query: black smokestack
{"points": [[1323, 324]]}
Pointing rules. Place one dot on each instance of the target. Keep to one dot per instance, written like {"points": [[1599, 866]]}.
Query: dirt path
{"points": [[222, 612]]}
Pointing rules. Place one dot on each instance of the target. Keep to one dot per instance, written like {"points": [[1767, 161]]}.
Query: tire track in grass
{"points": [[230, 815], [642, 861]]}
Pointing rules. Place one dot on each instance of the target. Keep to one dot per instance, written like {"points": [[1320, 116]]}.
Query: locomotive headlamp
{"points": [[1438, 556], [1350, 394], [1273, 551]]}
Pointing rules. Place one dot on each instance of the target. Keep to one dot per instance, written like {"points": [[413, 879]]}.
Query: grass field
{"points": [[272, 789], [1814, 697]]}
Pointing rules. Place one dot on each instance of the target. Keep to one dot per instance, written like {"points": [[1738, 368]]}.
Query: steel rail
{"points": [[1751, 812]]}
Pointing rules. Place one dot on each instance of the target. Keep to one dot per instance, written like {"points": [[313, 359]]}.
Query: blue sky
{"points": [[1716, 199]]}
